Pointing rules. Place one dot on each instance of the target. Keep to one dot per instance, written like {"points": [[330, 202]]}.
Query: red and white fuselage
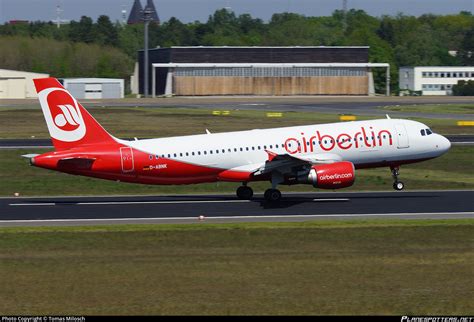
{"points": [[281, 155]]}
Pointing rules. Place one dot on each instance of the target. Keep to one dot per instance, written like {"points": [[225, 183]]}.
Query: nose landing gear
{"points": [[397, 185]]}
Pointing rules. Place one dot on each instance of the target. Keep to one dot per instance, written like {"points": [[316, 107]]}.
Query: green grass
{"points": [[377, 267], [451, 171], [429, 108], [147, 122]]}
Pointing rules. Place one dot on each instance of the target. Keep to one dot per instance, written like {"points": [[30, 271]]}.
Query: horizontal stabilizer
{"points": [[29, 156]]}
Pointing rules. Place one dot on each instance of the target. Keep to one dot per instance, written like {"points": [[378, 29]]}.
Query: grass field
{"points": [[451, 171], [377, 267], [146, 122]]}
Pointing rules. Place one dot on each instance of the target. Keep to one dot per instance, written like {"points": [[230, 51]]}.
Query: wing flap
{"points": [[284, 163]]}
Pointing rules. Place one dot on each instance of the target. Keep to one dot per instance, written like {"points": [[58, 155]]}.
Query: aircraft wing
{"points": [[286, 163]]}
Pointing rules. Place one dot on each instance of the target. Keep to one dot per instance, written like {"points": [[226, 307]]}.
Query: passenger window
{"points": [[175, 155], [187, 154], [180, 154], [205, 152], [247, 148], [199, 152], [422, 132], [271, 146], [150, 157], [223, 150], [210, 151], [253, 148], [265, 147], [169, 155], [157, 157]]}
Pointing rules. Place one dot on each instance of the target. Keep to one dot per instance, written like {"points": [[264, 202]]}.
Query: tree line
{"points": [[401, 40]]}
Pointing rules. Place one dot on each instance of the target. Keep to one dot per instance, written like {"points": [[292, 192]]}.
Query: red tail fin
{"points": [[69, 124]]}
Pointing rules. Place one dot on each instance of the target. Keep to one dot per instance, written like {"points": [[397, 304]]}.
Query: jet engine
{"points": [[330, 176]]}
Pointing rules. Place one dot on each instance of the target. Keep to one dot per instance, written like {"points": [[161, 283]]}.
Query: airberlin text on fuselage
{"points": [[345, 141]]}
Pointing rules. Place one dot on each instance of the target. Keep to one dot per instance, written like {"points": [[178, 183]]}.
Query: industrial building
{"points": [[18, 84], [259, 71], [94, 88], [433, 80]]}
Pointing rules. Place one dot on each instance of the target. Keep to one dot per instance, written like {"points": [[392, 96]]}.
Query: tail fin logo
{"points": [[62, 114]]}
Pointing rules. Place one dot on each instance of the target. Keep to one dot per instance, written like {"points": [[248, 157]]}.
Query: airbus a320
{"points": [[324, 155]]}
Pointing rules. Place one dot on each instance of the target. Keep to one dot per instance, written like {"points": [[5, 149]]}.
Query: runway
{"points": [[52, 211], [47, 144]]}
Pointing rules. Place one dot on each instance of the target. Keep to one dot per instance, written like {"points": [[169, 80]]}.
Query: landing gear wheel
{"points": [[244, 192], [272, 195], [398, 185]]}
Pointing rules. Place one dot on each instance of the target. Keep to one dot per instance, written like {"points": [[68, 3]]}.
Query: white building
{"points": [[94, 88], [18, 84], [433, 80]]}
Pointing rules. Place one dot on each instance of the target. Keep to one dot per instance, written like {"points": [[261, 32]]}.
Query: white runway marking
{"points": [[108, 203], [234, 217]]}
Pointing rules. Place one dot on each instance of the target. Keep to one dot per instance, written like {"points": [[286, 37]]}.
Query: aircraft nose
{"points": [[443, 144]]}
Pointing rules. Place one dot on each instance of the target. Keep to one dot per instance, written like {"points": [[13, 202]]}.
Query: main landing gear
{"points": [[397, 185], [244, 192], [272, 195]]}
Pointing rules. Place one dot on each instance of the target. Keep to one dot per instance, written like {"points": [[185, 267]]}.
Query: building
{"points": [[136, 13], [94, 88], [433, 80], [18, 84], [259, 71]]}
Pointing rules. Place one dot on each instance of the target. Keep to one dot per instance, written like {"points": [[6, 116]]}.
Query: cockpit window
{"points": [[422, 132], [428, 132]]}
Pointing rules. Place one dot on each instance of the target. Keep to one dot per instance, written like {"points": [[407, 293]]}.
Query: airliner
{"points": [[323, 155]]}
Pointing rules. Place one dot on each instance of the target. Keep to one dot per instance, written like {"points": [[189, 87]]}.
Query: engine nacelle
{"points": [[332, 176]]}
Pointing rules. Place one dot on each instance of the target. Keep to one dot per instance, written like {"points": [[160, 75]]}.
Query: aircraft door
{"points": [[126, 158], [402, 136]]}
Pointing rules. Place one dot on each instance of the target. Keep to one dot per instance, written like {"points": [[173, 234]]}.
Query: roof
{"points": [[249, 65], [231, 47], [93, 80], [136, 13], [154, 14]]}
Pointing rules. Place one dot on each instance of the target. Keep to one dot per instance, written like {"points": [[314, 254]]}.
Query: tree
{"points": [[464, 88], [466, 51], [82, 31], [106, 32]]}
